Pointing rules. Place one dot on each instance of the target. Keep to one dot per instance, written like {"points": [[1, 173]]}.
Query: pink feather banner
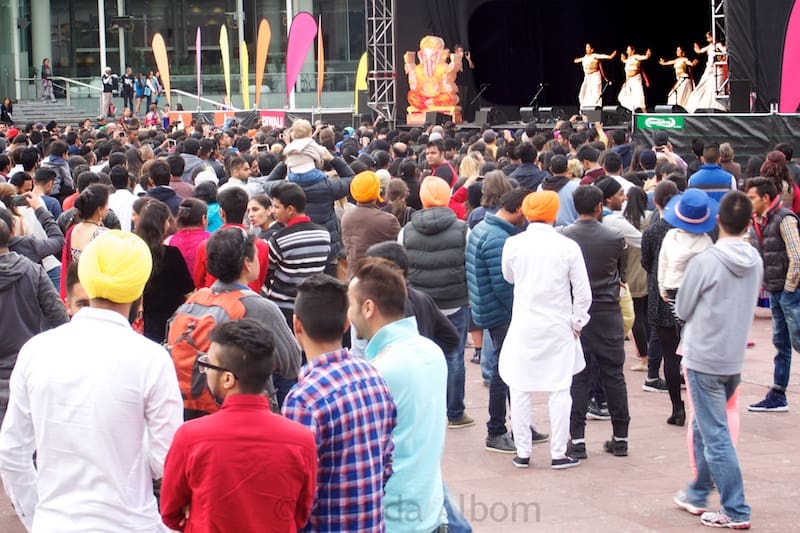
{"points": [[302, 33]]}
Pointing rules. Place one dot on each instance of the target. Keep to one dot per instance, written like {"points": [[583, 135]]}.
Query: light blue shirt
{"points": [[414, 368]]}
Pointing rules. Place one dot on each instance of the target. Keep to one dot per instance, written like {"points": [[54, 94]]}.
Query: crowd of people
{"points": [[238, 329]]}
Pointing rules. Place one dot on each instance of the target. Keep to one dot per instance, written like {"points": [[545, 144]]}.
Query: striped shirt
{"points": [[349, 409], [296, 252]]}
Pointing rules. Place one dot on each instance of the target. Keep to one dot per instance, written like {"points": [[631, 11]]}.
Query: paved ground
{"points": [[608, 493]]}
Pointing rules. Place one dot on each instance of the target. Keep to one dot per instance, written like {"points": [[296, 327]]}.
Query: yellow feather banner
{"points": [[244, 63], [361, 80], [224, 47], [162, 63], [262, 48]]}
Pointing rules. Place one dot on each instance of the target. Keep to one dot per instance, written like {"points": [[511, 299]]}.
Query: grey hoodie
{"points": [[30, 305], [717, 300]]}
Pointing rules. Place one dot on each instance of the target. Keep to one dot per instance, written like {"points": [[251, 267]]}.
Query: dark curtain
{"points": [[755, 46]]}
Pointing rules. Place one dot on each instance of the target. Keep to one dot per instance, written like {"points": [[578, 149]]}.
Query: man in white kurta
{"points": [[98, 403], [542, 350]]}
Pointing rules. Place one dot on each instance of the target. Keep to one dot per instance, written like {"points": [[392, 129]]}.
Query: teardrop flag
{"points": [[361, 80], [301, 37], [262, 48], [162, 64], [320, 64], [225, 49], [244, 64]]}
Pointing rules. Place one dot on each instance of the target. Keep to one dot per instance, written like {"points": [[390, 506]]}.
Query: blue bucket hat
{"points": [[693, 211]]}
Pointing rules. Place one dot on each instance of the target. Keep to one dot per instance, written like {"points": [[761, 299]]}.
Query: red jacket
{"points": [[242, 469], [202, 278]]}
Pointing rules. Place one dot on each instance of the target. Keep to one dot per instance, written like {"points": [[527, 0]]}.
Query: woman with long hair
{"points": [[138, 91], [170, 282], [776, 169], [7, 192], [261, 215], [7, 112], [396, 198], [91, 207], [635, 275], [191, 222]]}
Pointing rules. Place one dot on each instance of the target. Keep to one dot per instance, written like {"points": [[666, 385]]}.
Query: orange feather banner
{"points": [[320, 63], [262, 48], [162, 63]]}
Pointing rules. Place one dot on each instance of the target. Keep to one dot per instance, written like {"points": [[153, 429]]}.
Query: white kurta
{"points": [[99, 403], [551, 300]]}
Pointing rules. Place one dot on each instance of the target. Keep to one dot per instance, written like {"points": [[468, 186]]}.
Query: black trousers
{"points": [[602, 340], [669, 338], [641, 328]]}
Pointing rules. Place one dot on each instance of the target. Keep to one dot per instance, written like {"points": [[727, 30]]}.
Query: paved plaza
{"points": [[609, 493]]}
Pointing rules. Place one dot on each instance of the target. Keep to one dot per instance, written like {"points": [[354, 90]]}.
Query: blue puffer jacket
{"points": [[491, 296]]}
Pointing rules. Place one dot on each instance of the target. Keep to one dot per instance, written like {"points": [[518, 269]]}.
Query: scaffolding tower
{"points": [[381, 76], [719, 35]]}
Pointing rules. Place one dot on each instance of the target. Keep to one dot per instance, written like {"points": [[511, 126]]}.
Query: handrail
{"points": [[203, 99], [76, 82]]}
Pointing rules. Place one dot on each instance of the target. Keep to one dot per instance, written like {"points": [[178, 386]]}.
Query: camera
{"points": [[19, 200]]}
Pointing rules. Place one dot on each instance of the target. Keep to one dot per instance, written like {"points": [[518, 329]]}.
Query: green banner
{"points": [[659, 122]]}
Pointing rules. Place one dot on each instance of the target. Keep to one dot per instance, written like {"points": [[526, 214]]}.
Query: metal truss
{"points": [[719, 34], [381, 74]]}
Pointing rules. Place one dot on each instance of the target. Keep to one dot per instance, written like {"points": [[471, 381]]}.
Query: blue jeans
{"points": [[456, 522], [455, 365], [785, 307], [498, 390], [716, 458], [488, 357], [55, 276]]}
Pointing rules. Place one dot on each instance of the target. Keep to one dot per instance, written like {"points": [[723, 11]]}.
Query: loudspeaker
{"points": [[615, 115], [592, 114], [740, 96], [433, 117], [545, 115], [482, 115], [662, 109], [526, 114], [708, 111]]}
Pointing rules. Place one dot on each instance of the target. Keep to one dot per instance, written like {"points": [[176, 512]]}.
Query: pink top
{"points": [[187, 240]]}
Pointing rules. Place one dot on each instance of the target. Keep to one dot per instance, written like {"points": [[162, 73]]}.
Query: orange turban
{"points": [[541, 206], [434, 192]]}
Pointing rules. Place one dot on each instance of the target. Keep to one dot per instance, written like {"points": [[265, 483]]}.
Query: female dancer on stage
{"points": [[591, 94], [704, 95], [679, 95], [631, 95]]}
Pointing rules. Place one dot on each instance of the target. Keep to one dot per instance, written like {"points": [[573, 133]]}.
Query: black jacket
{"points": [[431, 322]]}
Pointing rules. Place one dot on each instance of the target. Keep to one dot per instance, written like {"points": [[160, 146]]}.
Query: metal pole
{"points": [[289, 15], [101, 17], [120, 13]]}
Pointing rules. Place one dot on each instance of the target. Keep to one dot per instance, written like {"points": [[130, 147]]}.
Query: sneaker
{"points": [[774, 402], [500, 444], [595, 411], [538, 438], [475, 359], [655, 385], [576, 450], [682, 501], [617, 447], [720, 519], [463, 422], [563, 463], [520, 462]]}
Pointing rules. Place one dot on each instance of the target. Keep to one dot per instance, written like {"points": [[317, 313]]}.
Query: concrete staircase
{"points": [[33, 111]]}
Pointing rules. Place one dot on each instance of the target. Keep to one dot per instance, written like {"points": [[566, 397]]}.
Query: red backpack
{"points": [[188, 337]]}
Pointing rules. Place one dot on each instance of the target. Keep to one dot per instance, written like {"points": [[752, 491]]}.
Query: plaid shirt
{"points": [[347, 405]]}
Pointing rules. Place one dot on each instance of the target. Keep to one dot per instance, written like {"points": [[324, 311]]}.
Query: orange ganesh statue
{"points": [[432, 82]]}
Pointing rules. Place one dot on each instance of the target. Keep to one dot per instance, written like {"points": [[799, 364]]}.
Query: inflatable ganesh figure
{"points": [[431, 83]]}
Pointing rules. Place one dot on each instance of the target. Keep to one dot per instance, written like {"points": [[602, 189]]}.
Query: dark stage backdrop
{"points": [[517, 44], [756, 46]]}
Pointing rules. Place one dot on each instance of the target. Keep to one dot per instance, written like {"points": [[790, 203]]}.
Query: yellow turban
{"points": [[541, 206], [434, 192], [115, 266], [366, 187]]}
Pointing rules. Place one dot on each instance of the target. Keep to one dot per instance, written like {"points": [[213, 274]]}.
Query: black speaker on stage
{"points": [[483, 116], [615, 115], [662, 109], [592, 114], [545, 115], [432, 117], [526, 114], [740, 96]]}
